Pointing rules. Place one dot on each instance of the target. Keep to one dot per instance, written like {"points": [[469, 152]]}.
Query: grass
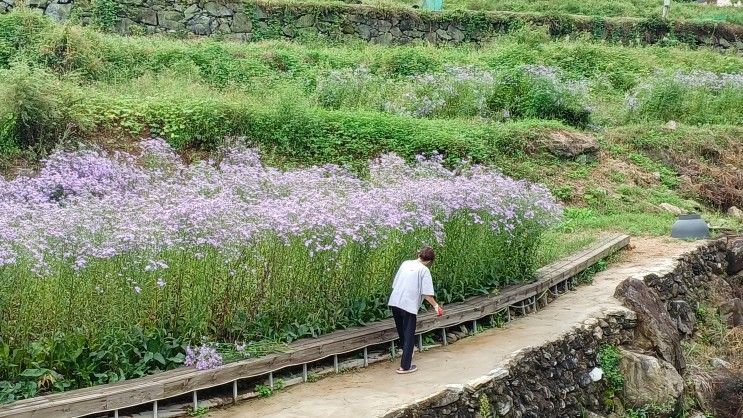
{"points": [[680, 10]]}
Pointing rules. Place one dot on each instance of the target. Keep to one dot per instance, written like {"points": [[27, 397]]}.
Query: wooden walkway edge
{"points": [[150, 389]]}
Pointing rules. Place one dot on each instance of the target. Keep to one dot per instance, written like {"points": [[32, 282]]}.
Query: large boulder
{"points": [[656, 330], [566, 144], [734, 255], [732, 312], [649, 381]]}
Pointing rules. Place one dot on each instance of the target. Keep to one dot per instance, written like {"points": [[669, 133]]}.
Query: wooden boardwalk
{"points": [[516, 299]]}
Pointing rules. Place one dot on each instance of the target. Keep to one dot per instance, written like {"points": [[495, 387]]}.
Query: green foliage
{"points": [[81, 358], [563, 192], [104, 14], [33, 109], [485, 409], [523, 95], [667, 98], [605, 8], [201, 411], [650, 411], [608, 359], [264, 391], [407, 62]]}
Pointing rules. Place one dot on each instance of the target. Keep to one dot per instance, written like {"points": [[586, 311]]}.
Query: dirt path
{"points": [[375, 390]]}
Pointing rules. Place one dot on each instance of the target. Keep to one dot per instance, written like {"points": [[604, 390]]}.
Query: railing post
{"points": [[666, 8]]}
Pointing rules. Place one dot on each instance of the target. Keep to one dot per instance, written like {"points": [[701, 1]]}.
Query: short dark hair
{"points": [[427, 254]]}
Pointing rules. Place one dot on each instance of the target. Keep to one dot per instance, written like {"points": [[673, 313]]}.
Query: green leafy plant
{"points": [[104, 14], [608, 359]]}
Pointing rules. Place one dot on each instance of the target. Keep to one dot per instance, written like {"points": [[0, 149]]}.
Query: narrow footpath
{"points": [[376, 390]]}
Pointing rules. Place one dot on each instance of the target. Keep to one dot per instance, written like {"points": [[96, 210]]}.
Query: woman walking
{"points": [[412, 284]]}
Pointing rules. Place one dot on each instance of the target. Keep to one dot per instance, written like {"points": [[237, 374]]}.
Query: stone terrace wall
{"points": [[553, 380], [247, 21]]}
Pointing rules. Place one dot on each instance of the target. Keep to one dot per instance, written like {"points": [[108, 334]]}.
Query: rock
{"points": [[596, 374], [567, 144], [736, 213], [200, 25], [124, 26], [241, 23], [191, 11], [218, 10], [671, 125], [456, 34], [305, 21], [364, 32], [648, 380], [719, 363], [58, 12], [443, 34], [671, 208], [504, 407], [146, 16], [683, 315], [170, 20], [656, 331], [734, 256], [732, 312]]}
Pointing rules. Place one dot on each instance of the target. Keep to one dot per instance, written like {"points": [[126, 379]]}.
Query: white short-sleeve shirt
{"points": [[412, 281]]}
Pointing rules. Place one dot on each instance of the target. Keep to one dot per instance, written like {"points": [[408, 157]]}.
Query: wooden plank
{"points": [[184, 380]]}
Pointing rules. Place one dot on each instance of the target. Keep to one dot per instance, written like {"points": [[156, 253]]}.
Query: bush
{"points": [[33, 109], [695, 98], [539, 92], [407, 62]]}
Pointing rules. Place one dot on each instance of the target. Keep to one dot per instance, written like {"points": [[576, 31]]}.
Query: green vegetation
{"points": [[690, 10], [608, 359], [63, 87]]}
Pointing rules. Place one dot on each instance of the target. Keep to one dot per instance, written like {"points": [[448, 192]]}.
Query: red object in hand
{"points": [[439, 311]]}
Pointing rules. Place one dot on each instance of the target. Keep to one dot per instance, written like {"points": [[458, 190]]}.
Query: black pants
{"points": [[405, 323]]}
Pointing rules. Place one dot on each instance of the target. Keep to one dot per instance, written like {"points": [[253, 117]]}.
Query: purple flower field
{"points": [[235, 249]]}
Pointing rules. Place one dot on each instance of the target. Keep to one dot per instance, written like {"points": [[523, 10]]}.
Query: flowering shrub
{"points": [[202, 357], [540, 92], [234, 249], [459, 91], [698, 97], [462, 91]]}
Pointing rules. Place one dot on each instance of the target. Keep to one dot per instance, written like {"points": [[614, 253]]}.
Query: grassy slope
{"points": [[113, 89], [687, 10]]}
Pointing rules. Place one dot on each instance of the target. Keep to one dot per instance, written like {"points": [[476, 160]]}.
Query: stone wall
{"points": [[560, 378], [247, 21]]}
